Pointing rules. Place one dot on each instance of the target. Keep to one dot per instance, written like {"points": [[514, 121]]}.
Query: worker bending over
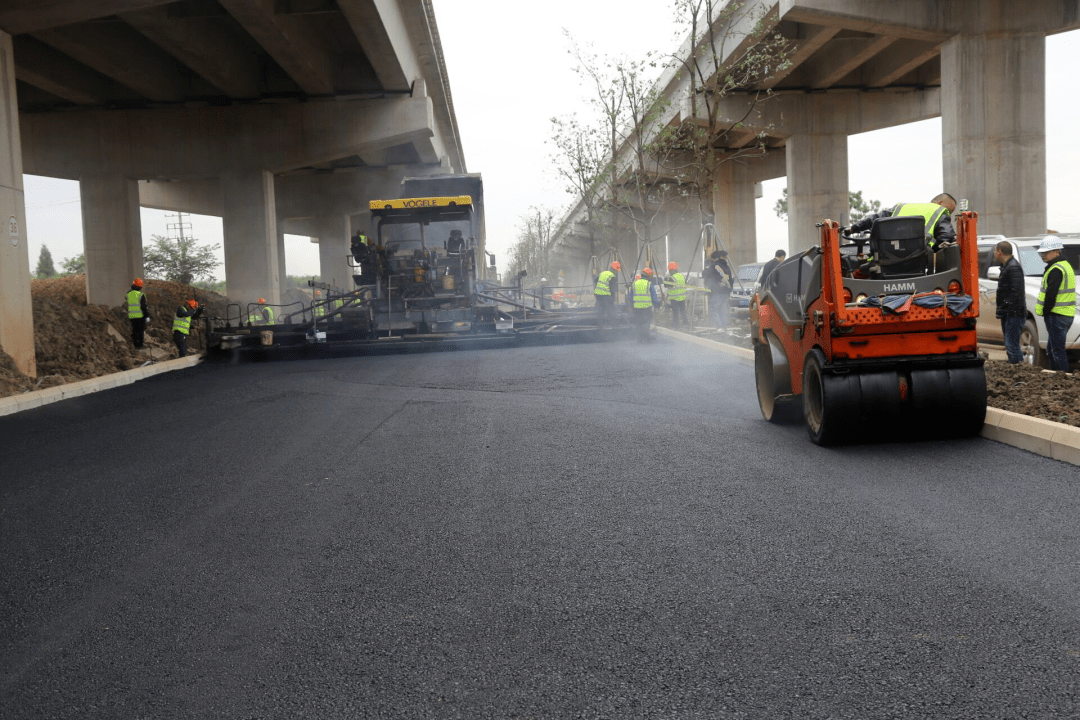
{"points": [[187, 312], [937, 223]]}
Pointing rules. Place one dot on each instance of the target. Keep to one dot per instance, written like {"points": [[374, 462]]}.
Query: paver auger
{"points": [[873, 335]]}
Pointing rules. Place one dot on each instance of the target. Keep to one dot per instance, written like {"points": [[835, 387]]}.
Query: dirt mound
{"points": [[1029, 390], [75, 341]]}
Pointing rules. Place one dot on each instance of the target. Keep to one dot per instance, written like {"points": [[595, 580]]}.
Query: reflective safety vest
{"points": [[134, 304], [678, 288], [257, 317], [183, 324], [319, 310], [1065, 303], [603, 286], [930, 213], [642, 296]]}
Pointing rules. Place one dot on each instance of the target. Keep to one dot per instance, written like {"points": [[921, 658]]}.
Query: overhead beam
{"points": [[116, 51], [913, 20], [26, 16], [383, 34], [203, 45], [897, 61], [800, 51], [43, 67], [844, 57], [289, 41]]}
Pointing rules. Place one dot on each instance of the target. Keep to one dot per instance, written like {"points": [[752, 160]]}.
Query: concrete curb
{"points": [[37, 398], [1042, 437]]}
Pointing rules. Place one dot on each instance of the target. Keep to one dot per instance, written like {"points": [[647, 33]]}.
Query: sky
{"points": [[508, 78]]}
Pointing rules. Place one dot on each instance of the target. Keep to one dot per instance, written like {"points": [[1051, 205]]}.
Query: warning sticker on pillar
{"points": [[13, 230]]}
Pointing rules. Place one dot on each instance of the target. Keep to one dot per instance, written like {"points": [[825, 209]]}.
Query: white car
{"points": [[744, 289], [1033, 336]]}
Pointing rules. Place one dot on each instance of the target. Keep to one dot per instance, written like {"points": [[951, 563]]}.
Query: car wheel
{"points": [[1029, 345]]}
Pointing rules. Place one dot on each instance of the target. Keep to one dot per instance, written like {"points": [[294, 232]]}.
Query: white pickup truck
{"points": [[1033, 336]]}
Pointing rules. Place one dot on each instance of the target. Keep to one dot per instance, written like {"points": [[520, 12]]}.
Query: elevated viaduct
{"points": [[861, 65], [279, 116]]}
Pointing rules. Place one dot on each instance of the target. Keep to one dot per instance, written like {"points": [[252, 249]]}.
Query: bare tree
{"points": [[718, 68], [536, 238]]}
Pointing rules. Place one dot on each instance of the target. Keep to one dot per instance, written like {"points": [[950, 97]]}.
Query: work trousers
{"points": [[605, 308], [678, 313], [643, 323], [1011, 325], [1057, 327], [181, 342], [720, 307], [138, 331]]}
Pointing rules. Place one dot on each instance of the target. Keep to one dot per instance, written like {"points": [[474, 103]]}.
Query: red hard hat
{"points": [[317, 293], [616, 265], [673, 266], [193, 304], [262, 301], [137, 282], [646, 271]]}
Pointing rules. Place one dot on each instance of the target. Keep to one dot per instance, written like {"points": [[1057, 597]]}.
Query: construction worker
{"points": [[455, 244], [676, 281], [262, 315], [644, 299], [318, 309], [938, 226], [138, 312], [1057, 301], [606, 289], [181, 327]]}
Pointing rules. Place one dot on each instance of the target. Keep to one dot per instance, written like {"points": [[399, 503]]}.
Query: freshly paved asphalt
{"points": [[596, 531]]}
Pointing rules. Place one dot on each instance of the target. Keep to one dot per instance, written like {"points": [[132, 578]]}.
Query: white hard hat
{"points": [[1050, 243]]}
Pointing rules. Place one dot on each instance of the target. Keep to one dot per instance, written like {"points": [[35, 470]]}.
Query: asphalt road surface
{"points": [[596, 531]]}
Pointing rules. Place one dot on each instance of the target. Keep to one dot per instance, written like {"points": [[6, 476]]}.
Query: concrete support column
{"points": [[251, 237], [334, 250], [16, 314], [733, 204], [993, 130], [817, 174], [112, 236]]}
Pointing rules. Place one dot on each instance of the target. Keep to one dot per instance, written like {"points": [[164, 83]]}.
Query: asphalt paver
{"points": [[595, 531]]}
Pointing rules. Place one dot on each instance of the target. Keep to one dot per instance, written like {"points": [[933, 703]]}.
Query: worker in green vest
{"points": [[137, 311], [644, 298], [936, 215], [318, 309], [262, 315], [187, 312], [676, 284], [606, 289], [1057, 301]]}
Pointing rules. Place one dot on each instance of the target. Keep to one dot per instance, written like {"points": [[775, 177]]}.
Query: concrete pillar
{"points": [[249, 222], [736, 219], [283, 270], [112, 236], [993, 112], [16, 313], [334, 250], [817, 173]]}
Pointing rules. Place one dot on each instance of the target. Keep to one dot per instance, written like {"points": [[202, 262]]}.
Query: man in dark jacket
{"points": [[781, 255], [717, 277], [1011, 300]]}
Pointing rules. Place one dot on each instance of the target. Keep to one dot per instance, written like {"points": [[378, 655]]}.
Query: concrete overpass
{"points": [[861, 65], [280, 116]]}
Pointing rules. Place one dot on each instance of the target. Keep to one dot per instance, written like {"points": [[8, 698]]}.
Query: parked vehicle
{"points": [[1033, 336], [748, 276]]}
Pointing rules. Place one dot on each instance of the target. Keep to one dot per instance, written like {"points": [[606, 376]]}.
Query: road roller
{"points": [[872, 336]]}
